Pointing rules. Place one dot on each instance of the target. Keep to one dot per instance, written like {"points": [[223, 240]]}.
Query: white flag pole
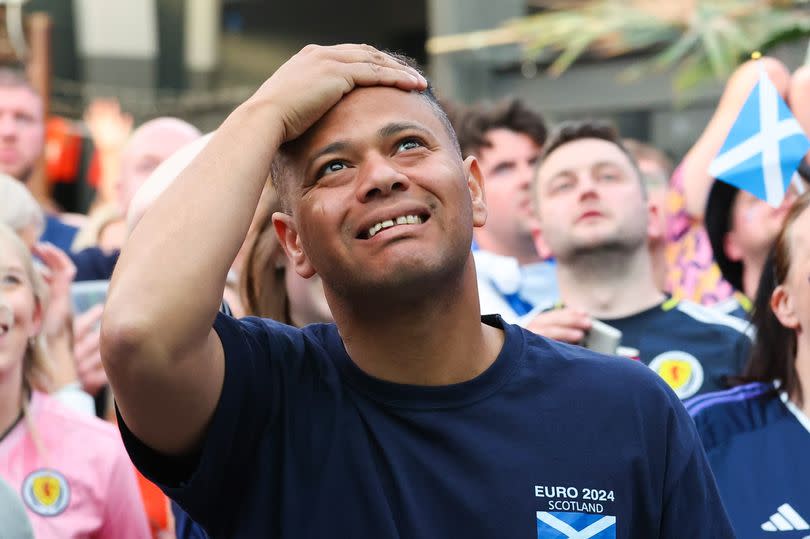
{"points": [[798, 183]]}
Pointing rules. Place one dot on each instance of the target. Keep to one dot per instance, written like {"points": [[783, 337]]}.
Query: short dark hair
{"points": [[773, 355], [281, 167], [472, 123], [572, 131], [646, 152]]}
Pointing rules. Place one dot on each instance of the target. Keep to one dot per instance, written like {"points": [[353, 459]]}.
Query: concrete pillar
{"points": [[202, 23], [467, 75]]}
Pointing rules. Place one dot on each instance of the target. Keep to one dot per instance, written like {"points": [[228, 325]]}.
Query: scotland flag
{"points": [[764, 146], [563, 525]]}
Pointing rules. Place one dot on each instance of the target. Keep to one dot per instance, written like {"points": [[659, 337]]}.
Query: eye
{"points": [[562, 185], [331, 167], [11, 279], [409, 144], [608, 175]]}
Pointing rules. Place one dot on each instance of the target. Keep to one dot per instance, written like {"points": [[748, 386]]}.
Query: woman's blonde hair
{"points": [[18, 207], [37, 368], [262, 286]]}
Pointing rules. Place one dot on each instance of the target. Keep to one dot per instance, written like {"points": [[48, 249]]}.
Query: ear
{"points": [[655, 232], [732, 247], [475, 183], [783, 308], [291, 243], [539, 243]]}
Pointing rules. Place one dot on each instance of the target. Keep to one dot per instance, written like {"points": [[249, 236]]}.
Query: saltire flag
{"points": [[764, 147], [565, 525]]}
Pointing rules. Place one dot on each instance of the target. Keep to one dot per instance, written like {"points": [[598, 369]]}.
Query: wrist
{"points": [[264, 118]]}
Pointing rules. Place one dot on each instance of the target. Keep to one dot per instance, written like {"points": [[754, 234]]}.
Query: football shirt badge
{"points": [[46, 492]]}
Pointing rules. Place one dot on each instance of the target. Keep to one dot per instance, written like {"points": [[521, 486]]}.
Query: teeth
{"points": [[401, 220]]}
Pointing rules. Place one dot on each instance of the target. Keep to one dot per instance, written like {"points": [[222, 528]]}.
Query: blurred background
{"points": [[655, 68]]}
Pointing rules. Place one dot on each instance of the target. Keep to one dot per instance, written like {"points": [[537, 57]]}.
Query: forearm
{"points": [[169, 279]]}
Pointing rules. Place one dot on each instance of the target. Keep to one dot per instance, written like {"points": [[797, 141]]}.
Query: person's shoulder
{"points": [[311, 339], [720, 323], [597, 374], [64, 423], [721, 415]]}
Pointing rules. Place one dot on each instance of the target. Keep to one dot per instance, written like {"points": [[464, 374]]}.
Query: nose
{"points": [[587, 186], [379, 178]]}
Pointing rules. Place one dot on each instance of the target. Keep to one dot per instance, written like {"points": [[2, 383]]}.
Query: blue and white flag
{"points": [[764, 147], [565, 525]]}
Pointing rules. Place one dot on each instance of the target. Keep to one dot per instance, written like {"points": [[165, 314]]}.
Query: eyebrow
{"points": [[386, 131], [398, 127]]}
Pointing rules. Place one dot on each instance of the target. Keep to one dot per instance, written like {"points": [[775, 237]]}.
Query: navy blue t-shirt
{"points": [[692, 347], [93, 264], [758, 444], [551, 438]]}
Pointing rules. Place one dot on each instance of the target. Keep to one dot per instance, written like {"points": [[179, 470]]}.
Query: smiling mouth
{"points": [[410, 219]]}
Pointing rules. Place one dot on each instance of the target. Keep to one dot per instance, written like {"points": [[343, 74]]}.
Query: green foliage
{"points": [[701, 40]]}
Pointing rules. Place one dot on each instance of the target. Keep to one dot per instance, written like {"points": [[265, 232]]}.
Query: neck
{"points": [[434, 339], [522, 249], [609, 283], [658, 259], [11, 394], [803, 370], [752, 271]]}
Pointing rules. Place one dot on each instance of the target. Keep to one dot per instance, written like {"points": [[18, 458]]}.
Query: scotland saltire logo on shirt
{"points": [[46, 492], [565, 525]]}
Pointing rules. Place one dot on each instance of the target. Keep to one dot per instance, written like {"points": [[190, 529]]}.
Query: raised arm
{"points": [[163, 359], [697, 181]]}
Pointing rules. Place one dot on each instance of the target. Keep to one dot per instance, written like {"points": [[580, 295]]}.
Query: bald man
{"points": [[150, 145]]}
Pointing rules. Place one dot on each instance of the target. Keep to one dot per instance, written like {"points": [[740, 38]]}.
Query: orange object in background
{"points": [[158, 508], [63, 149]]}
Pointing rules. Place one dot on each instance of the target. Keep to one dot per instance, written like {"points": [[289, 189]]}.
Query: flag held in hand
{"points": [[764, 147]]}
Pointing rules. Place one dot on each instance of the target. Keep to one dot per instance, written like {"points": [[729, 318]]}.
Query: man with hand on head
{"points": [[594, 217], [410, 409]]}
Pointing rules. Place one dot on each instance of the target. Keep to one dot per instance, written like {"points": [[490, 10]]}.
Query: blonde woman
{"points": [[70, 469]]}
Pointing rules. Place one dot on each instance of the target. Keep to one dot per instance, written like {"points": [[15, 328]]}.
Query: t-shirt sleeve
{"points": [[124, 513], [249, 401], [692, 506]]}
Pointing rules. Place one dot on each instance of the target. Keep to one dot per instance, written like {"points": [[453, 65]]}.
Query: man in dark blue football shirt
{"points": [[409, 417], [594, 216]]}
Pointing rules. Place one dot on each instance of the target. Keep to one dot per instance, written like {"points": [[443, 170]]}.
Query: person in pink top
{"points": [[70, 470]]}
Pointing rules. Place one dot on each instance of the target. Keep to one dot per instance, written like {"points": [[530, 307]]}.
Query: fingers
{"points": [[86, 322], [87, 352], [799, 96], [367, 66], [57, 261], [563, 334], [567, 325]]}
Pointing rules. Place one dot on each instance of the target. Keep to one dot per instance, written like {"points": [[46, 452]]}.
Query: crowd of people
{"points": [[358, 310]]}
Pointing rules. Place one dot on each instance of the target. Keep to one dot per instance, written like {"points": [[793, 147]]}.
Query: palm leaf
{"points": [[705, 42]]}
